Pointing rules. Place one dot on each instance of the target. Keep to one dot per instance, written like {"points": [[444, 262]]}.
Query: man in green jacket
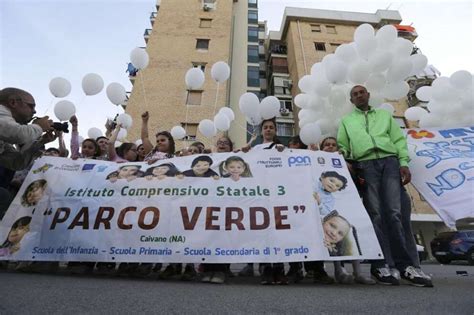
{"points": [[374, 141]]}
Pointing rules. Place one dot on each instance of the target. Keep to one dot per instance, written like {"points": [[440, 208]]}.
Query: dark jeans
{"points": [[381, 197], [215, 267], [5, 199]]}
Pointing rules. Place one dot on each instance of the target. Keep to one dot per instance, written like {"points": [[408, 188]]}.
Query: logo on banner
{"points": [[68, 167], [101, 168], [420, 134], [299, 161], [321, 160], [42, 169], [88, 167], [272, 162], [336, 163]]}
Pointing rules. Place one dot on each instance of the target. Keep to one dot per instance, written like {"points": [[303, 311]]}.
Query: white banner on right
{"points": [[442, 167]]}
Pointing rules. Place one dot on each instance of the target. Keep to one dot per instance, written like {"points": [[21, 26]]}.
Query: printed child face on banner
{"points": [[16, 234], [128, 171], [160, 170], [335, 229], [332, 184], [33, 193], [200, 168], [235, 168]]}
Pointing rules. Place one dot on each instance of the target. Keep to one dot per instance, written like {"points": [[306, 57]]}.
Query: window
{"points": [[315, 28], [205, 23], [252, 54], [331, 29], [194, 98], [253, 34], [252, 3], [200, 65], [320, 46], [253, 78], [208, 5], [253, 17], [401, 122], [202, 44], [191, 130], [284, 129], [286, 105]]}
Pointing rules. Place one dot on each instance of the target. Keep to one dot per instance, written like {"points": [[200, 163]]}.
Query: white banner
{"points": [[248, 207], [442, 167]]}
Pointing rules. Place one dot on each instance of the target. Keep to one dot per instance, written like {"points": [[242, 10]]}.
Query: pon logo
{"points": [[299, 161]]}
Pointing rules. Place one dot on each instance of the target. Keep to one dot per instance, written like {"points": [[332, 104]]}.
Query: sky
{"points": [[43, 39]]}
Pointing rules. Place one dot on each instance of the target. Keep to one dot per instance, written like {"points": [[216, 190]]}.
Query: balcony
{"points": [[132, 72], [153, 17], [278, 49], [147, 34]]}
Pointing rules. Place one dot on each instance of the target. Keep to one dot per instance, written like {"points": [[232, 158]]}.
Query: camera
{"points": [[61, 127]]}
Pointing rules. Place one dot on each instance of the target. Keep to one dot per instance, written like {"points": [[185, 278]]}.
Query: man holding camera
{"points": [[20, 143]]}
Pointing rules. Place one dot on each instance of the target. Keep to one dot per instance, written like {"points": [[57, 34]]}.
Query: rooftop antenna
{"points": [[389, 6]]}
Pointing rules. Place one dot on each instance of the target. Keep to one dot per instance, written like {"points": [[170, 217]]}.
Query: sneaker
{"points": [[157, 267], [206, 277], [24, 266], [411, 275], [279, 276], [295, 275], [169, 272], [309, 274], [267, 275], [360, 279], [321, 277], [218, 278], [384, 276], [421, 273], [142, 270], [247, 271], [395, 273], [189, 273], [104, 268]]}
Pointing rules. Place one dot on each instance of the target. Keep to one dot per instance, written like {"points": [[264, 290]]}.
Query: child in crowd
{"points": [[17, 231], [165, 146], [103, 143], [296, 143], [329, 144], [161, 171], [89, 147], [126, 152], [33, 193], [234, 167], [201, 167], [140, 153], [224, 144]]}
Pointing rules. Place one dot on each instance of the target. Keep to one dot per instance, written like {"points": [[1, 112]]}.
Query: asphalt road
{"points": [[22, 293]]}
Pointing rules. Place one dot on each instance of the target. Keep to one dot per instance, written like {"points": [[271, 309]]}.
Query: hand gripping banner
{"points": [[264, 206]]}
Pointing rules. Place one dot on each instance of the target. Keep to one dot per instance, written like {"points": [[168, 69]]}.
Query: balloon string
{"points": [[250, 133], [142, 79], [215, 102], [186, 118], [49, 106]]}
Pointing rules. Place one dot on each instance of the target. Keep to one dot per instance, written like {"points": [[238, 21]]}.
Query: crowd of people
{"points": [[369, 139]]}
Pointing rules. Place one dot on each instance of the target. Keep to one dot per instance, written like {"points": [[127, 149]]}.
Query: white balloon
{"points": [[254, 120], [337, 98], [336, 71], [414, 113], [222, 122], [80, 139], [327, 59], [317, 69], [419, 63], [325, 125], [441, 83], [317, 103], [125, 120], [94, 133], [467, 100], [117, 144], [306, 84], [321, 86], [92, 84], [399, 70], [64, 110], [228, 112], [402, 47], [308, 114], [388, 107], [396, 90], [301, 100], [207, 128], [366, 48], [375, 82], [220, 71], [363, 31], [248, 104], [310, 133], [194, 78], [436, 108], [430, 120], [443, 92], [386, 35], [461, 79], [122, 134], [375, 99], [116, 93], [346, 53], [359, 72], [139, 58], [269, 107], [380, 61], [424, 93], [178, 132], [138, 142], [59, 87]]}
